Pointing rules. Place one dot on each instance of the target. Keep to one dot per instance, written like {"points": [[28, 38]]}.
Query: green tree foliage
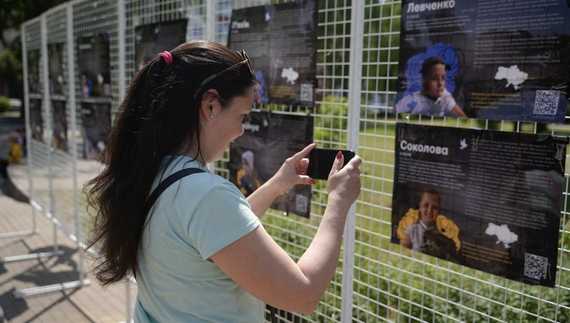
{"points": [[382, 41], [15, 12], [331, 123], [11, 69], [4, 104], [12, 14]]}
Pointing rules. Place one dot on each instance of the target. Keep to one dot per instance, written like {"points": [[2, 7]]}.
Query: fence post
{"points": [[71, 100], [210, 20], [121, 30], [354, 87]]}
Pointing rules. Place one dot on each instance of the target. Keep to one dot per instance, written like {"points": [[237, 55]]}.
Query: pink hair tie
{"points": [[167, 57]]}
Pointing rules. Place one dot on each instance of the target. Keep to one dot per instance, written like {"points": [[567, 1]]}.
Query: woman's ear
{"points": [[210, 104]]}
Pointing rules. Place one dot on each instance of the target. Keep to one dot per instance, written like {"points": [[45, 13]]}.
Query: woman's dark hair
{"points": [[158, 118]]}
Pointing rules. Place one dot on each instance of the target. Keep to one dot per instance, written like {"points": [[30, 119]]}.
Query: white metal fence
{"points": [[357, 62]]}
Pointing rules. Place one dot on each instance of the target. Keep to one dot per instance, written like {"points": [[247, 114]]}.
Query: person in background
{"points": [[22, 141], [201, 254], [14, 155]]}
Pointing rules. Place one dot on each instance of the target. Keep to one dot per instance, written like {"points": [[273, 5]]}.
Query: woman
{"points": [[201, 253]]}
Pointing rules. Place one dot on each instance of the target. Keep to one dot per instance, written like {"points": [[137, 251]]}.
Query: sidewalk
{"points": [[90, 303]]}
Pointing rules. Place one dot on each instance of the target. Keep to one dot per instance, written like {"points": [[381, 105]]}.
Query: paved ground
{"points": [[90, 303]]}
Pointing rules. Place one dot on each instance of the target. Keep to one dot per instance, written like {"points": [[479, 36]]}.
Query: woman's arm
{"points": [[258, 264], [291, 173]]}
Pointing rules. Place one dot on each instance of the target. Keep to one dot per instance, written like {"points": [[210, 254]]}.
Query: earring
{"points": [[211, 117]]}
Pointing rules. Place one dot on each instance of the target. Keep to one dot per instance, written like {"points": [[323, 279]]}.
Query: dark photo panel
{"points": [[281, 40], [96, 118], [36, 119], [55, 63], [33, 61], [499, 60], [152, 39], [59, 135], [489, 200], [269, 139], [94, 65]]}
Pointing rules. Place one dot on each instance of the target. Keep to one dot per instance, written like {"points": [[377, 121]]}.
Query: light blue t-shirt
{"points": [[193, 219]]}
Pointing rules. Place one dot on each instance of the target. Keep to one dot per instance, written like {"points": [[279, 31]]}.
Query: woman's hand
{"points": [[343, 184], [292, 172]]}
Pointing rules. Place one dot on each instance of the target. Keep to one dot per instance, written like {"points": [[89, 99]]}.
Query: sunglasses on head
{"points": [[245, 60]]}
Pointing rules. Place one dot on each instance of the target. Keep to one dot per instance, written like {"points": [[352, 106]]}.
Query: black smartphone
{"points": [[321, 161]]}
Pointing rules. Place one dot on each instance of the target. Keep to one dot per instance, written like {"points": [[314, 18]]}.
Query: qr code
{"points": [[307, 92], [546, 102], [535, 266], [301, 203]]}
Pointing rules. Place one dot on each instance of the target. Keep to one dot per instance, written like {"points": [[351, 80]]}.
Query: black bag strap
{"points": [[166, 183], [272, 313], [171, 180]]}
